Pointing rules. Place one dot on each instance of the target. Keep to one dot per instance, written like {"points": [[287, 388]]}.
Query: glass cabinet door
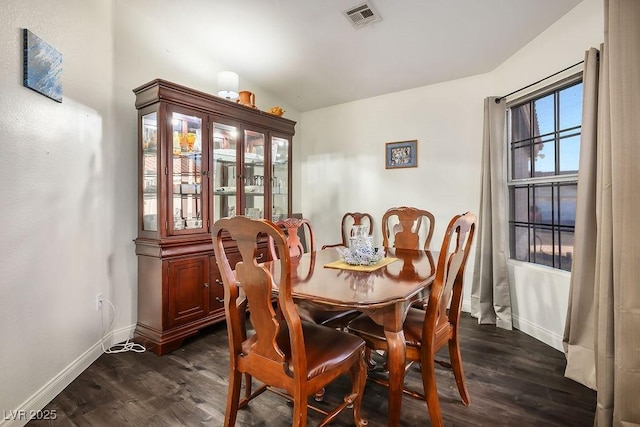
{"points": [[254, 174], [225, 174], [279, 178], [149, 170], [243, 181], [186, 205]]}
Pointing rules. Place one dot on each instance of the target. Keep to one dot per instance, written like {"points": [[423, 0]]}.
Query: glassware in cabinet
{"points": [[279, 178], [149, 168], [225, 150], [187, 203], [253, 174]]}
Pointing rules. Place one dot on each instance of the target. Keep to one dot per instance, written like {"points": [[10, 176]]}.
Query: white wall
{"points": [[343, 157], [343, 161], [60, 235], [69, 194], [144, 52]]}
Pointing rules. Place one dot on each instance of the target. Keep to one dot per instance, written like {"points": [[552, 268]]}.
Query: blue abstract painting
{"points": [[42, 67]]}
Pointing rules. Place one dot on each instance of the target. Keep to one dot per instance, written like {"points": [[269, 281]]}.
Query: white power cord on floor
{"points": [[121, 347]]}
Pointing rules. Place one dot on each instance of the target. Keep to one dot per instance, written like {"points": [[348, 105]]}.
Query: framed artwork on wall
{"points": [[42, 67], [403, 154]]}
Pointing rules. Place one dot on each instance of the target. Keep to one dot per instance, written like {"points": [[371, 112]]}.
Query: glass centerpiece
{"points": [[361, 250]]}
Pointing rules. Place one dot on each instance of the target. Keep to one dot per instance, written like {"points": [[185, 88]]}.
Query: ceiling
{"points": [[308, 53]]}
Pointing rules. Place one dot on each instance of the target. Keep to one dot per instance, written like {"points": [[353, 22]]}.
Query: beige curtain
{"points": [[490, 294], [602, 335], [578, 335]]}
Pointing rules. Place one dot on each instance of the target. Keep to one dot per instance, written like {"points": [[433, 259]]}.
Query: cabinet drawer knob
{"points": [[259, 257], [219, 282], [206, 285], [221, 300]]}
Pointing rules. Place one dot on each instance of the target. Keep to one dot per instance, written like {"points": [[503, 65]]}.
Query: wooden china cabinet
{"points": [[201, 158]]}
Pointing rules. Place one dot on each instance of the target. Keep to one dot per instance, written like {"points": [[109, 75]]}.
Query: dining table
{"points": [[384, 291]]}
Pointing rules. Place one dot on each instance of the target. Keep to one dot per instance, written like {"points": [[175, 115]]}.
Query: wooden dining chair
{"points": [[295, 230], [427, 331], [402, 228], [291, 357], [349, 220]]}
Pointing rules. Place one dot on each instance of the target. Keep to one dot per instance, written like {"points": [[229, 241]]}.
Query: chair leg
{"points": [[371, 365], [358, 375], [456, 365], [431, 390], [299, 409], [247, 391], [233, 396], [358, 380]]}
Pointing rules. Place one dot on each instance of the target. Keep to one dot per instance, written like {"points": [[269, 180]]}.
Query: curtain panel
{"points": [[490, 293], [601, 336], [579, 326]]}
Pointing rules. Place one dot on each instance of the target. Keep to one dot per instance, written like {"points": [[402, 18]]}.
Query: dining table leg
{"points": [[396, 358]]}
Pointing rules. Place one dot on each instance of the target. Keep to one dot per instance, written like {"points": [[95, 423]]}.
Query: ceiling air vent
{"points": [[362, 15]]}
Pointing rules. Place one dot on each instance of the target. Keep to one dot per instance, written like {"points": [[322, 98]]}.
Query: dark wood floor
{"points": [[512, 378]]}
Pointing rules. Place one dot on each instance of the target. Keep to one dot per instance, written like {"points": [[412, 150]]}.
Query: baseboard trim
{"points": [[538, 332], [20, 416], [548, 337]]}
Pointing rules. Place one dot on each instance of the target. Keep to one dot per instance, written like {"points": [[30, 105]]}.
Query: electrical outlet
{"points": [[99, 301]]}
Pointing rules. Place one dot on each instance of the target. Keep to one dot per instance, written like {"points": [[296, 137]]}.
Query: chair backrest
{"points": [[448, 283], [401, 228], [354, 218], [256, 281], [348, 221], [293, 229]]}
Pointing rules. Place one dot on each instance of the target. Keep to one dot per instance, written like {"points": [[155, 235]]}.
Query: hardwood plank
{"points": [[512, 378]]}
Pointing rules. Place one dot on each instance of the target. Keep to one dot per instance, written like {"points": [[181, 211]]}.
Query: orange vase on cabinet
{"points": [[247, 98]]}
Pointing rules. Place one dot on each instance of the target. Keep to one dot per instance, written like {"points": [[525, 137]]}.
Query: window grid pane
{"points": [[546, 235], [521, 164], [543, 122], [544, 155], [569, 146], [545, 145]]}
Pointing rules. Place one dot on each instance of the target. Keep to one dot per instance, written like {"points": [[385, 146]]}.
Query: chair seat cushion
{"points": [[325, 347], [364, 326]]}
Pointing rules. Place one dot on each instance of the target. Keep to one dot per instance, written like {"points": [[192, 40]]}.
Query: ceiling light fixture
{"points": [[228, 84]]}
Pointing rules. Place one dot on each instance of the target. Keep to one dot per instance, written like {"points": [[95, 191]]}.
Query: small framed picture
{"points": [[403, 154], [42, 67]]}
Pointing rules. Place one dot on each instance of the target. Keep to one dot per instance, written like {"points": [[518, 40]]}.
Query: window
{"points": [[544, 150]]}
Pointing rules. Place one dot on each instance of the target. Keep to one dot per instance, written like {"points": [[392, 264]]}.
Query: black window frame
{"points": [[530, 221]]}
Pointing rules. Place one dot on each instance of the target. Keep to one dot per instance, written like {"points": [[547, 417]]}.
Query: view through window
{"points": [[544, 151]]}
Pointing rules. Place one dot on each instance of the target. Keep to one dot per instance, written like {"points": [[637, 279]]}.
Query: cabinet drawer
{"points": [[216, 293]]}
